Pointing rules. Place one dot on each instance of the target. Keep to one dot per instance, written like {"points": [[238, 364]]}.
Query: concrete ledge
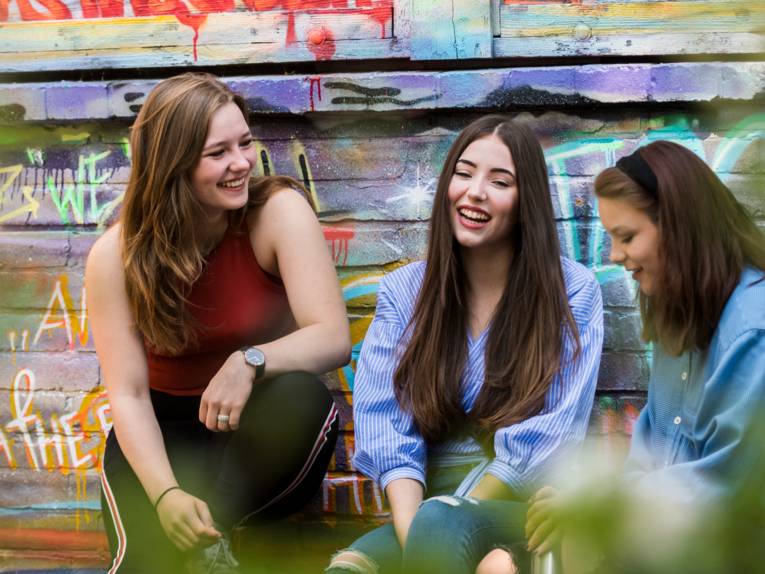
{"points": [[473, 89]]}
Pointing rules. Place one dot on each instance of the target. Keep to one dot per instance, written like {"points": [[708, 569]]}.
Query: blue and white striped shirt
{"points": [[388, 446]]}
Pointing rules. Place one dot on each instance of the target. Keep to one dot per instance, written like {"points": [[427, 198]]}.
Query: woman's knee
{"points": [[439, 519], [298, 390], [294, 397], [441, 511], [498, 561], [352, 561]]}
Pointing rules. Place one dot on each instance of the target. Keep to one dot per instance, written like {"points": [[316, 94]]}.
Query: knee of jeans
{"points": [[351, 560], [445, 505], [439, 513], [450, 501]]}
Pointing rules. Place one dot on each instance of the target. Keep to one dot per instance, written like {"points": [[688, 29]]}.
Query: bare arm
{"points": [[286, 234], [491, 488], [322, 341], [405, 496], [124, 370]]}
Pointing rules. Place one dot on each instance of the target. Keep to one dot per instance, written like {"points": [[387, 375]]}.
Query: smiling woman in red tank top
{"points": [[214, 304]]}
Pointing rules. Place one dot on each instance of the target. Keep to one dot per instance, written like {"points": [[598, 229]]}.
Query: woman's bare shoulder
{"points": [[105, 256], [284, 206], [285, 198]]}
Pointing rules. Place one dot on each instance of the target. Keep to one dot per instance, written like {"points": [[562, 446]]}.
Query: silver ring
{"points": [[223, 418]]}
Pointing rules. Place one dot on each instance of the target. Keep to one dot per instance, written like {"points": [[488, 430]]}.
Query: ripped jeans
{"points": [[449, 534]]}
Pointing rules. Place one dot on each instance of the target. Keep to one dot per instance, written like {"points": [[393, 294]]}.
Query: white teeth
{"points": [[474, 215], [235, 183]]}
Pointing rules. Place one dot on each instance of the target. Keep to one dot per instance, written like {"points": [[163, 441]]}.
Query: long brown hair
{"points": [[705, 239], [163, 252], [522, 354]]}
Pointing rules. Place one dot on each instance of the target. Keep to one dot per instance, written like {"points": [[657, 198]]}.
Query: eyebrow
{"points": [[621, 230], [494, 169], [224, 142]]}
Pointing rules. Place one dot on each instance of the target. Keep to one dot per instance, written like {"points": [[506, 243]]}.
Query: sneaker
{"points": [[215, 559]]}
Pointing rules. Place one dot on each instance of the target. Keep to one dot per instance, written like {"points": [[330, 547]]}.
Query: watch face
{"points": [[254, 356]]}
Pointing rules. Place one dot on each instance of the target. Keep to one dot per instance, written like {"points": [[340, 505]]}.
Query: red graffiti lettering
{"points": [[174, 8], [56, 10], [527, 2], [103, 8], [382, 12], [193, 13], [261, 5], [213, 6], [315, 81], [338, 238]]}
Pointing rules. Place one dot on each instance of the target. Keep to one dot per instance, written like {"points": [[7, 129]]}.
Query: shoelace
{"points": [[224, 556]]}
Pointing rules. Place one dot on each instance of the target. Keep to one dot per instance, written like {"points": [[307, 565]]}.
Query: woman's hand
{"points": [[227, 394], [542, 525], [186, 520]]}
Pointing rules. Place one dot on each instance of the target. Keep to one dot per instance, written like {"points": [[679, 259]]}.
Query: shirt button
{"points": [[684, 376], [678, 420]]}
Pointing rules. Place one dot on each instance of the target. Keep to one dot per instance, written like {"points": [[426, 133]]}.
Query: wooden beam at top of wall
{"points": [[629, 28], [497, 89]]}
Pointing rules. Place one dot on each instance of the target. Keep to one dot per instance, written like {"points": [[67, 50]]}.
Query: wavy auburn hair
{"points": [[706, 238], [162, 249], [526, 336]]}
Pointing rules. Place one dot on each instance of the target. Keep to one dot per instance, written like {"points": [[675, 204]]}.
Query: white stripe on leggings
{"points": [[317, 446], [117, 521]]}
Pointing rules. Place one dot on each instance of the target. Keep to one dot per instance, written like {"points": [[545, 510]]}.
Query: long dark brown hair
{"points": [[162, 249], [524, 348], [706, 238]]}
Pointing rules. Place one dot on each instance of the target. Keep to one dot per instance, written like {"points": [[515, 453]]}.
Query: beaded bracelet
{"points": [[161, 496]]}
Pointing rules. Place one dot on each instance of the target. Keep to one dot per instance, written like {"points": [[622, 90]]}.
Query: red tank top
{"points": [[235, 303]]}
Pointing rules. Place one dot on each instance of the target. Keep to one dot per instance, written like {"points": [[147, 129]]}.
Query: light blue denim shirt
{"points": [[388, 445], [690, 435]]}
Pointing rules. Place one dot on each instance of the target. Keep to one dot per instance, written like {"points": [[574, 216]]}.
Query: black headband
{"points": [[638, 169]]}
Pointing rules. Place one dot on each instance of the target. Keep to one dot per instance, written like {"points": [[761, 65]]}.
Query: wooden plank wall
{"points": [[87, 34], [634, 27], [368, 143]]}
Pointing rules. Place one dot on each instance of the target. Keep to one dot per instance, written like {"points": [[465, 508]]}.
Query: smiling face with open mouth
{"points": [[483, 195], [220, 178]]}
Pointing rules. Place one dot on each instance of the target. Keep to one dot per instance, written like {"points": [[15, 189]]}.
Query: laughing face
{"points": [[220, 178], [634, 240], [483, 195]]}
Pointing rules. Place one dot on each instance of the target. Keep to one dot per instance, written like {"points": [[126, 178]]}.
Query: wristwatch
{"points": [[255, 358]]}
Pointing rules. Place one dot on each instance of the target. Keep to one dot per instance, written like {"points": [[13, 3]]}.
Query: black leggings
{"points": [[264, 471]]}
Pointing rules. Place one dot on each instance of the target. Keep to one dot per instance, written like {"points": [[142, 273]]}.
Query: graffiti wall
{"points": [[121, 33], [374, 184], [367, 143], [66, 35]]}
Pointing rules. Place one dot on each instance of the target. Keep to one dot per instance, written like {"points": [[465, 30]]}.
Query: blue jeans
{"points": [[449, 534]]}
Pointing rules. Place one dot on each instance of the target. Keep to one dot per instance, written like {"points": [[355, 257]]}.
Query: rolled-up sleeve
{"points": [[388, 446], [523, 451]]}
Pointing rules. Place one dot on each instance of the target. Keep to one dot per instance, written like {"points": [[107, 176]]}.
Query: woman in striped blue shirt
{"points": [[480, 365]]}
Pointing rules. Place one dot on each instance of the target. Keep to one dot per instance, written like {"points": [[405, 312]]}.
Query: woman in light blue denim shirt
{"points": [[698, 258]]}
